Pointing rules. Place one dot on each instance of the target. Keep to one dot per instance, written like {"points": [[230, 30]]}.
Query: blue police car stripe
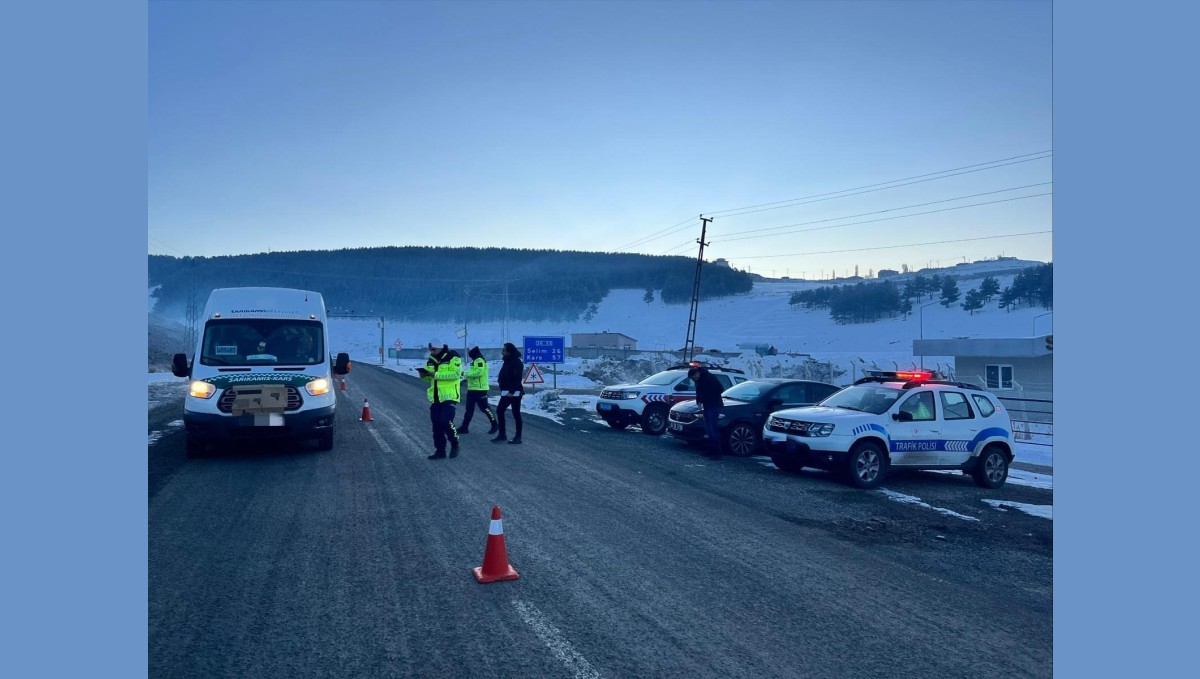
{"points": [[864, 428]]}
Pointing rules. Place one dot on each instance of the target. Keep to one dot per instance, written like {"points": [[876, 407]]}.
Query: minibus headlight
{"points": [[201, 389], [317, 387]]}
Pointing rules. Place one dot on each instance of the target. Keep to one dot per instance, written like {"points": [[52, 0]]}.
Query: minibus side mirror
{"points": [[179, 366]]}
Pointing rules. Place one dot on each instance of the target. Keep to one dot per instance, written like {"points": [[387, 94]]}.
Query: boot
{"points": [[516, 439], [500, 438], [454, 449], [437, 455], [463, 430]]}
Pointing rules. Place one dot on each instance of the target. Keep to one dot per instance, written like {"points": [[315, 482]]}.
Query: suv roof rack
{"points": [[710, 366]]}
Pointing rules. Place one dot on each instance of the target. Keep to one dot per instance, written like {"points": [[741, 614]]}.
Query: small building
{"points": [[887, 273], [1010, 367], [603, 340]]}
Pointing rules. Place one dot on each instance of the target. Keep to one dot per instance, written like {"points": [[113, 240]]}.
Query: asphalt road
{"points": [[638, 558]]}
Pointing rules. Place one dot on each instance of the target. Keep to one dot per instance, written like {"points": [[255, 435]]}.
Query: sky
{"points": [[760, 316], [812, 133]]}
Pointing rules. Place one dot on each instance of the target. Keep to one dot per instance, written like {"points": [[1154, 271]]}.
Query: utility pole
{"points": [[689, 344]]}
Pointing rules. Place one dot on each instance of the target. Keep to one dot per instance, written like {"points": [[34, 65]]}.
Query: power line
{"points": [[885, 219], [833, 194], [892, 247], [655, 236], [893, 209]]}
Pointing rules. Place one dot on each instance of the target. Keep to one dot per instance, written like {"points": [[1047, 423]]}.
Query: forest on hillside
{"points": [[478, 284], [868, 302]]}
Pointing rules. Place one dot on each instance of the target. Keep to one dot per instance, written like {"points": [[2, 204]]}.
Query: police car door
{"points": [[959, 427], [916, 442]]}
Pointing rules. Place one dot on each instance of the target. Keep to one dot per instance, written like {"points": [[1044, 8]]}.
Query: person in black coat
{"points": [[511, 391], [708, 395]]}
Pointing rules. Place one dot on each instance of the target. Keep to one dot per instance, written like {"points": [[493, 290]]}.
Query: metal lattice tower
{"points": [[689, 345]]}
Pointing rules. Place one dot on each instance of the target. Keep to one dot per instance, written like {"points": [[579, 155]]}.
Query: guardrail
{"points": [[1032, 420]]}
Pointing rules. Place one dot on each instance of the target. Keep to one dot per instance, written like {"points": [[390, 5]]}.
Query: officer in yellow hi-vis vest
{"points": [[443, 373], [477, 391]]}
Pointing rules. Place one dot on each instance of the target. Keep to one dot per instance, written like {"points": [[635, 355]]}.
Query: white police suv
{"points": [[647, 402], [896, 419]]}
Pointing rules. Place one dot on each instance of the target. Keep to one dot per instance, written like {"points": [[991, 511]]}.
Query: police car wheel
{"points": [[991, 471], [654, 420], [741, 439], [867, 465]]}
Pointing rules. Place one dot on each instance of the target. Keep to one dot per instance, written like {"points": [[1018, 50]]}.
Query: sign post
{"points": [[399, 345], [550, 350]]}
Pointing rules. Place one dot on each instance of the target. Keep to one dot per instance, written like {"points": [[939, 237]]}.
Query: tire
{"points": [[991, 471], [195, 447], [325, 441], [742, 440], [654, 420], [867, 465], [617, 424], [788, 463]]}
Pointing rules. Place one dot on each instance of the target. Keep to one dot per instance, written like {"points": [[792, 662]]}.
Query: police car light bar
{"points": [[905, 376]]}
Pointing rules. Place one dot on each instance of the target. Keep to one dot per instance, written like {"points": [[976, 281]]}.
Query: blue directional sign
{"points": [[545, 349]]}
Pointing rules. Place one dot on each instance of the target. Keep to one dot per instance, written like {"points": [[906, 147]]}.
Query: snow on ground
{"points": [[1044, 511], [910, 500]]}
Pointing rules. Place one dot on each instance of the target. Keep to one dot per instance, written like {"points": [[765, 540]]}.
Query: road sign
{"points": [[545, 349], [399, 344], [393, 353], [533, 375], [460, 333]]}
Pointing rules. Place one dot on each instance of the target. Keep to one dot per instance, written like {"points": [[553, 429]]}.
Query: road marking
{"points": [[560, 647]]}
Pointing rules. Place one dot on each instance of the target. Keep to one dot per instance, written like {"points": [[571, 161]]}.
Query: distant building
{"points": [[603, 340], [888, 273], [1012, 367], [721, 261]]}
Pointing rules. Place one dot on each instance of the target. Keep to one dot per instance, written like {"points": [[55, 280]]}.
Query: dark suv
{"points": [[745, 411]]}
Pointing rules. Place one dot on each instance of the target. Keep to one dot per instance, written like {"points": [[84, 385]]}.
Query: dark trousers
{"points": [[442, 416], [505, 402], [477, 399], [711, 413]]}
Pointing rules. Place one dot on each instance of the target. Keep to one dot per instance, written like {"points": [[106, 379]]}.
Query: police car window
{"points": [[663, 378], [985, 406], [724, 380], [920, 406], [686, 385], [820, 392], [955, 406]]}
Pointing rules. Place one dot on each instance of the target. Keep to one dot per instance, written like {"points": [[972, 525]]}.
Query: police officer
{"points": [[443, 374], [477, 391]]}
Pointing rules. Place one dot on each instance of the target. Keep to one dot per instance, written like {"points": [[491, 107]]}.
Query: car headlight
{"points": [[630, 395], [820, 429], [317, 387], [201, 389]]}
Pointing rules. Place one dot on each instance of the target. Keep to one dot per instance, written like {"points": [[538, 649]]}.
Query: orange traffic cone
{"points": [[343, 384], [366, 416], [495, 558]]}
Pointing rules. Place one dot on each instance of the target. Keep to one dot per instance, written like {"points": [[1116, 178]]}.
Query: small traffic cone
{"points": [[366, 416], [343, 384], [495, 558]]}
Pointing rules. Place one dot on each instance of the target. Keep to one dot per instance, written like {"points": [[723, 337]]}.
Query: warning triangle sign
{"points": [[533, 375]]}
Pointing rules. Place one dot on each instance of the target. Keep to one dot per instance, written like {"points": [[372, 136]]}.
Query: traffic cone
{"points": [[495, 558], [343, 384], [366, 416]]}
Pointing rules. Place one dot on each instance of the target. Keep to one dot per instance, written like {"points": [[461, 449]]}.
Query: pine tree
{"points": [[950, 293], [989, 288], [973, 301], [649, 296]]}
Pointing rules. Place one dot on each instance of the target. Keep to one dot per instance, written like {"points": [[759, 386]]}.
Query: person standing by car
{"points": [[443, 374], [708, 395], [477, 391], [510, 391]]}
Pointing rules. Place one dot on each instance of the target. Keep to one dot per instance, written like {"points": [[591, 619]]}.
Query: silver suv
{"points": [[648, 402]]}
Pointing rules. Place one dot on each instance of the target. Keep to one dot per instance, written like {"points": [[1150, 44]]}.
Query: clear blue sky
{"points": [[592, 125]]}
